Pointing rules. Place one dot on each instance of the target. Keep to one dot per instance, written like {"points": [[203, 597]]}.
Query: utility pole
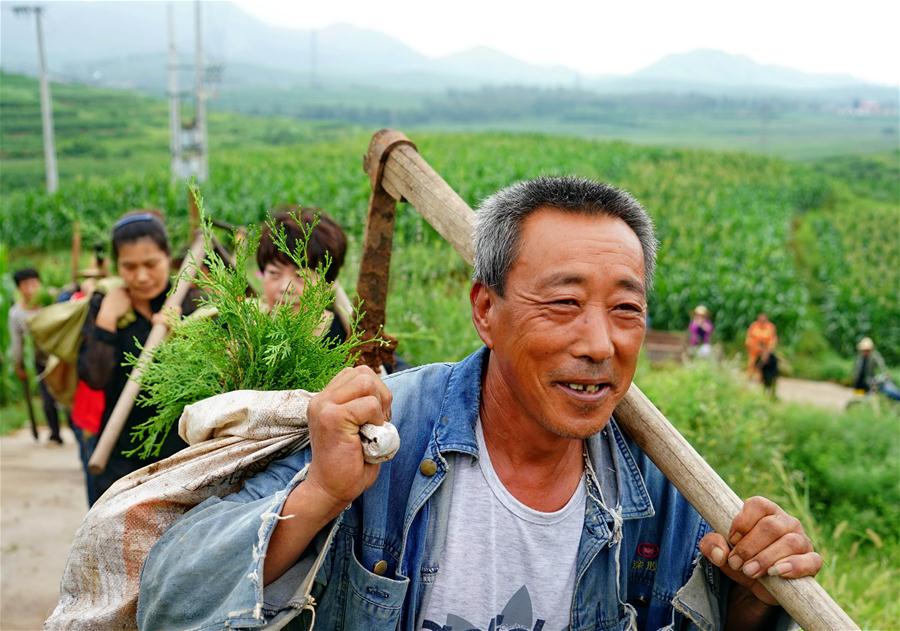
{"points": [[174, 98], [46, 105], [200, 111], [188, 142]]}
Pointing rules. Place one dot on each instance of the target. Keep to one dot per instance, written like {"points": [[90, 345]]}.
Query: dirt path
{"points": [[822, 394], [42, 503]]}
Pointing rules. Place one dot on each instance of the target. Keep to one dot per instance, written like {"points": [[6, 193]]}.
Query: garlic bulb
{"points": [[379, 442]]}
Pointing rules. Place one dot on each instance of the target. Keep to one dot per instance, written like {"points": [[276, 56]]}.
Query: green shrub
{"points": [[9, 389], [852, 252], [849, 463], [836, 472], [258, 349], [732, 427]]}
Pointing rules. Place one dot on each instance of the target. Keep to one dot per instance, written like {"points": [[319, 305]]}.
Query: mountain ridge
{"points": [[239, 42]]}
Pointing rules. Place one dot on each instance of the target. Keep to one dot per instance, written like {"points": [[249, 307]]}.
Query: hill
{"points": [[94, 129], [88, 41], [717, 68]]}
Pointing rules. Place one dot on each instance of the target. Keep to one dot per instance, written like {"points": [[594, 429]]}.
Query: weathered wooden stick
{"points": [[343, 308], [408, 176], [119, 416], [803, 598], [404, 174], [76, 250]]}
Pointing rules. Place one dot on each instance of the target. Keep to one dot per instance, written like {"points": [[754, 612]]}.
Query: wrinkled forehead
{"points": [[550, 237], [549, 226]]}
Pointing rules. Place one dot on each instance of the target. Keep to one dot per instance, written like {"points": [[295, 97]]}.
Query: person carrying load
{"points": [[514, 499]]}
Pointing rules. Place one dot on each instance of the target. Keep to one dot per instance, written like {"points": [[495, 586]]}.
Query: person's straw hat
{"points": [[866, 344], [701, 310]]}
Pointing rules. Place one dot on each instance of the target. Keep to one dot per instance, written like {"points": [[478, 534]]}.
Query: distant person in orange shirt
{"points": [[761, 340]]}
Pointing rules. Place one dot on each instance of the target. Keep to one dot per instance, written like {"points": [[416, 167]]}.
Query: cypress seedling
{"points": [[244, 346]]}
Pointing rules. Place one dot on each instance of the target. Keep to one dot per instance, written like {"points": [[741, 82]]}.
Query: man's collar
{"points": [[455, 431], [455, 427]]}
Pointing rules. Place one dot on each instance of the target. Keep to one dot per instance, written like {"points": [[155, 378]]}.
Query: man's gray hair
{"points": [[498, 223]]}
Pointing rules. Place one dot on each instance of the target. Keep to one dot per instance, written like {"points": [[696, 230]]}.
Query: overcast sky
{"points": [[858, 37]]}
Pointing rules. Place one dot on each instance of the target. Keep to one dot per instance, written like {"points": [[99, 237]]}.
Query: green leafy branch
{"points": [[244, 346]]}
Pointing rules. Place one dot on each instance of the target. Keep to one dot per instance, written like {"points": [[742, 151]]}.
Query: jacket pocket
{"points": [[373, 602], [619, 619]]}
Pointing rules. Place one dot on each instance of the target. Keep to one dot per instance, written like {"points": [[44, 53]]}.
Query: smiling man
{"points": [[515, 502]]}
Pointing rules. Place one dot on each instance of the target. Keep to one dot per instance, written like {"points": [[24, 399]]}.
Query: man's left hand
{"points": [[764, 540]]}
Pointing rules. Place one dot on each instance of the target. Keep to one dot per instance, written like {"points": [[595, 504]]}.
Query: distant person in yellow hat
{"points": [[700, 332]]}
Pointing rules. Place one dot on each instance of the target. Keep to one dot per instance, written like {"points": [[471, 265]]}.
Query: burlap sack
{"points": [[56, 329], [233, 436], [61, 379]]}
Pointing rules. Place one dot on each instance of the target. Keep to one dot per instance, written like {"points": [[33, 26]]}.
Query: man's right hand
{"points": [[337, 472]]}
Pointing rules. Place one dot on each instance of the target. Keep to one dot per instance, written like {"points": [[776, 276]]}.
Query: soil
{"points": [[823, 394], [42, 503]]}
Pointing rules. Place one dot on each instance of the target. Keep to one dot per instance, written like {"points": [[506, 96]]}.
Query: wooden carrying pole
{"points": [[76, 251], [399, 172], [117, 419]]}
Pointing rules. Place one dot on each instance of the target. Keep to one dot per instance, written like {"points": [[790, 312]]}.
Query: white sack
{"points": [[232, 437]]}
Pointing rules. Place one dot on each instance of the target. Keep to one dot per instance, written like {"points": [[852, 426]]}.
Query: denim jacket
{"points": [[637, 563]]}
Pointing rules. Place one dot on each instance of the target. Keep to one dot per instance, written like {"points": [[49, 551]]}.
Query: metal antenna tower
{"points": [[188, 141]]}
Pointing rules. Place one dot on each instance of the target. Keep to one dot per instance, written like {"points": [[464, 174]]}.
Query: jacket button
{"points": [[428, 467], [380, 567]]}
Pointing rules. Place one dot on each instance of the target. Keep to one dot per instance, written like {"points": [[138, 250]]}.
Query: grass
{"points": [[803, 141], [860, 569], [837, 472], [14, 416]]}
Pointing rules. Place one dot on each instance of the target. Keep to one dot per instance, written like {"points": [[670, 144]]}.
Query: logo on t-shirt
{"points": [[517, 615], [648, 550]]}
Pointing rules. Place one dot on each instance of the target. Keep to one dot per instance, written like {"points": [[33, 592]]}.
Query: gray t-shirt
{"points": [[504, 565], [17, 322]]}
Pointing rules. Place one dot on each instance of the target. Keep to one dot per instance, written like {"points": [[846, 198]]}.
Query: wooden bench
{"points": [[665, 346]]}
